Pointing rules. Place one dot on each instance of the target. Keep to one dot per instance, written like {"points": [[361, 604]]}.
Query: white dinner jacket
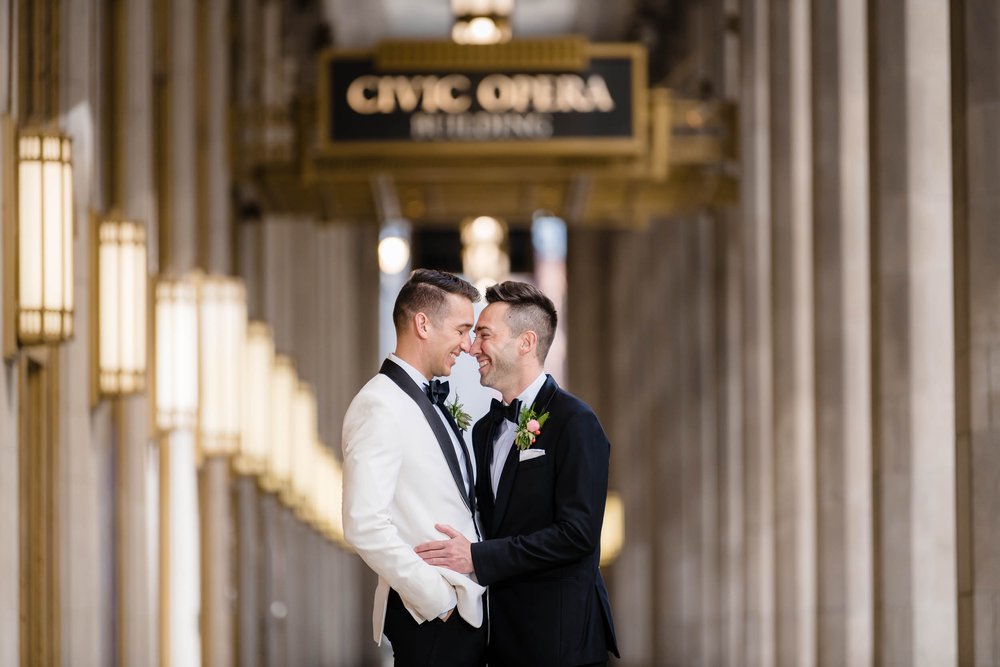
{"points": [[397, 485]]}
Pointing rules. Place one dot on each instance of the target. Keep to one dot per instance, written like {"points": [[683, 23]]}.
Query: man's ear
{"points": [[421, 325], [528, 342]]}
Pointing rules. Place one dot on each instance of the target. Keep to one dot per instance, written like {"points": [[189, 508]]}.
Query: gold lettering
{"points": [[450, 94], [543, 92], [521, 85], [361, 94], [386, 94], [495, 94], [599, 93], [570, 94], [408, 92], [428, 86]]}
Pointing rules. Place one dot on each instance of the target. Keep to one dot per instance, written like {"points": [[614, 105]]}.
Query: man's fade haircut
{"points": [[427, 292], [528, 309]]}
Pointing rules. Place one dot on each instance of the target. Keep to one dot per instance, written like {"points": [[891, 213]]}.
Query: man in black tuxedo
{"points": [[540, 492]]}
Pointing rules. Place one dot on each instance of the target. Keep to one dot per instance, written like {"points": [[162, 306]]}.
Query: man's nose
{"points": [[475, 348], [466, 343]]}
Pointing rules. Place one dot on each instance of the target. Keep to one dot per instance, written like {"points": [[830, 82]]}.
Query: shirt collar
{"points": [[527, 397], [414, 374]]}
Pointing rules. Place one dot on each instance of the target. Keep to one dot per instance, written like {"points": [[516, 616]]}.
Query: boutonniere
{"points": [[462, 418], [529, 427]]}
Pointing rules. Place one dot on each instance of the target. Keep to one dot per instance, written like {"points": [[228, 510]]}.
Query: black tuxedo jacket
{"points": [[542, 535]]}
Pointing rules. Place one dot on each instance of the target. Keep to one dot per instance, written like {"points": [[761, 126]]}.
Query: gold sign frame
{"points": [[569, 54]]}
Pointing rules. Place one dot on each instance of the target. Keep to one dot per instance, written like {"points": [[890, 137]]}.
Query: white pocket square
{"points": [[528, 454]]}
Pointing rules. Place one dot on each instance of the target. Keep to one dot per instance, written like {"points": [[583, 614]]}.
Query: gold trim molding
{"points": [[571, 53]]}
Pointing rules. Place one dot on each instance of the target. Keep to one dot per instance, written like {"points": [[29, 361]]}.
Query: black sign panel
{"points": [[590, 111]]}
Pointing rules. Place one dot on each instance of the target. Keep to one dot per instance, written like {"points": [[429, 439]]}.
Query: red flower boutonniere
{"points": [[529, 427]]}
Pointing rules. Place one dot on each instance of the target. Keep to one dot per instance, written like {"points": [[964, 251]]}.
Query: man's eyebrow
{"points": [[482, 328]]}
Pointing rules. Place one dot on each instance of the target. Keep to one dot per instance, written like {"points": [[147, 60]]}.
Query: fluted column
{"points": [[83, 453], [978, 345], [731, 467], [675, 491], [792, 266], [138, 611], [180, 575], [9, 404], [216, 507], [706, 432], [633, 469], [915, 399], [183, 173], [843, 335], [758, 461]]}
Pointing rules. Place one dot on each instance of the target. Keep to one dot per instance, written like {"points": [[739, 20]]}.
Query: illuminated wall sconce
{"points": [[121, 322], [200, 331], [322, 488], [176, 387], [255, 435], [613, 530], [303, 445], [277, 472], [222, 308], [481, 21], [45, 238], [484, 260], [331, 489]]}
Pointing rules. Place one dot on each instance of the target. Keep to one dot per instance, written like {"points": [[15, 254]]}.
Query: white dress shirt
{"points": [[504, 441], [422, 382]]}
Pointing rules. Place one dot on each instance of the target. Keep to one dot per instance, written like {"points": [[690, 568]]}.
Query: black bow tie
{"points": [[437, 391], [499, 411]]}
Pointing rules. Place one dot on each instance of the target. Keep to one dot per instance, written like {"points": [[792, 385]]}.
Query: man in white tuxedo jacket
{"points": [[406, 468]]}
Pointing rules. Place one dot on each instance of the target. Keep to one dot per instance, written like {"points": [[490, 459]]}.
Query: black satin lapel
{"points": [[405, 382], [509, 474], [545, 395], [484, 485], [466, 460]]}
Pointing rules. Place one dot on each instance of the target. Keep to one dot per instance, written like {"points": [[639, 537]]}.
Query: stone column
{"points": [[138, 612], [217, 180], [729, 334], [10, 611], [916, 597], [180, 603], [705, 328], [84, 512], [843, 334], [218, 548], [639, 594], [758, 461], [792, 280], [182, 247], [673, 487], [250, 547], [978, 345]]}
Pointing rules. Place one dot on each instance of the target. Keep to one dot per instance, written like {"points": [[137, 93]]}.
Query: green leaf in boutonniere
{"points": [[529, 427], [461, 417]]}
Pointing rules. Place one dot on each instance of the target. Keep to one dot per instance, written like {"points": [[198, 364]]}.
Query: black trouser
{"points": [[435, 643]]}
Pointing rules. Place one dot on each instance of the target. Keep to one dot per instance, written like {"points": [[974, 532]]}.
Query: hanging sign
{"points": [[594, 109]]}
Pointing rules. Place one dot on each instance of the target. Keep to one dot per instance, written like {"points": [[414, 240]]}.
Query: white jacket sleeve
{"points": [[372, 446]]}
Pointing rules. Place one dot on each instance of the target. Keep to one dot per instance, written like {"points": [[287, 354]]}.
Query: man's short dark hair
{"points": [[427, 292], [528, 309]]}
